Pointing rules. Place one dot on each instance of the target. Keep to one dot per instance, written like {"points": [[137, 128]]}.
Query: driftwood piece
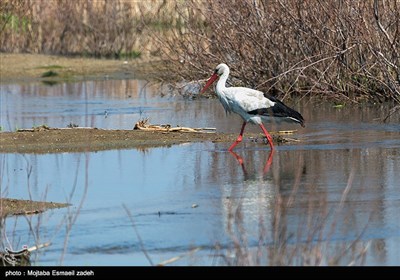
{"points": [[36, 247], [146, 126], [45, 128], [283, 132], [21, 257]]}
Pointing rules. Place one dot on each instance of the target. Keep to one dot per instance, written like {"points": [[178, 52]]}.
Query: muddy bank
{"points": [[92, 139], [17, 68], [25, 207]]}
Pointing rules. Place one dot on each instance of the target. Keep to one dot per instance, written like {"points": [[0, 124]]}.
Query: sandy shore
{"points": [[20, 68], [25, 68], [91, 139]]}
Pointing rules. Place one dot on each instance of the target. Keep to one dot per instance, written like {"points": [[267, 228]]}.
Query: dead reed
{"points": [[345, 49]]}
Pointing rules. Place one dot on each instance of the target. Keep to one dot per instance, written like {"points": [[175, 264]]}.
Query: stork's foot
{"points": [[238, 140]]}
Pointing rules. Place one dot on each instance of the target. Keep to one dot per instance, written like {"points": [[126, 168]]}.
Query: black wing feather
{"points": [[279, 110]]}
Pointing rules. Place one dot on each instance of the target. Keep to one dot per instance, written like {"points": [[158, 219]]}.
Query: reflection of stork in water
{"points": [[241, 162], [248, 206]]}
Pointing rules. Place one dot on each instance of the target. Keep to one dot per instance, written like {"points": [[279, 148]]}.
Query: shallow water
{"points": [[333, 194], [110, 104]]}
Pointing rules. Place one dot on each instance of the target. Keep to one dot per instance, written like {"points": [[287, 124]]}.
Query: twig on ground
{"points": [[146, 126]]}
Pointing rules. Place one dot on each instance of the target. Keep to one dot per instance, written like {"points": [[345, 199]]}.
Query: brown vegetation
{"points": [[10, 206], [100, 28], [346, 49]]}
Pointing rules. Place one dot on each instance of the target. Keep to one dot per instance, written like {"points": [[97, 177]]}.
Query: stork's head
{"points": [[219, 70]]}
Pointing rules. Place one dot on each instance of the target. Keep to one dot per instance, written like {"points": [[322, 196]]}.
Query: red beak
{"points": [[209, 82]]}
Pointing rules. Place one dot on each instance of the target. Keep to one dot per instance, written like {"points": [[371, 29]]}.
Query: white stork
{"points": [[252, 105]]}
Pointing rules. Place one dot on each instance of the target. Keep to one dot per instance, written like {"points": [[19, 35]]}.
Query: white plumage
{"points": [[252, 105]]}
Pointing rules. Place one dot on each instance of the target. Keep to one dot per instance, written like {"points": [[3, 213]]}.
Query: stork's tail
{"points": [[280, 110]]}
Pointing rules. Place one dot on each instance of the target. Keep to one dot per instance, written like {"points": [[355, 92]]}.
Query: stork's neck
{"points": [[221, 85]]}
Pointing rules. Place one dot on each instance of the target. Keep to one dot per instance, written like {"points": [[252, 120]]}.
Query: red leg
{"points": [[238, 158], [269, 162], [239, 139], [241, 162], [271, 144]]}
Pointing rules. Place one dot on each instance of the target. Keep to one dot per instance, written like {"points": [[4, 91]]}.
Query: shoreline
{"points": [[93, 139], [28, 68]]}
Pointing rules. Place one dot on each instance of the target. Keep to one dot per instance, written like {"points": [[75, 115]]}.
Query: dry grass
{"points": [[345, 49], [100, 28]]}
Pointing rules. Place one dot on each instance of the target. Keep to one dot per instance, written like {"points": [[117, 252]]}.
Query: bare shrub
{"points": [[347, 49], [100, 28]]}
